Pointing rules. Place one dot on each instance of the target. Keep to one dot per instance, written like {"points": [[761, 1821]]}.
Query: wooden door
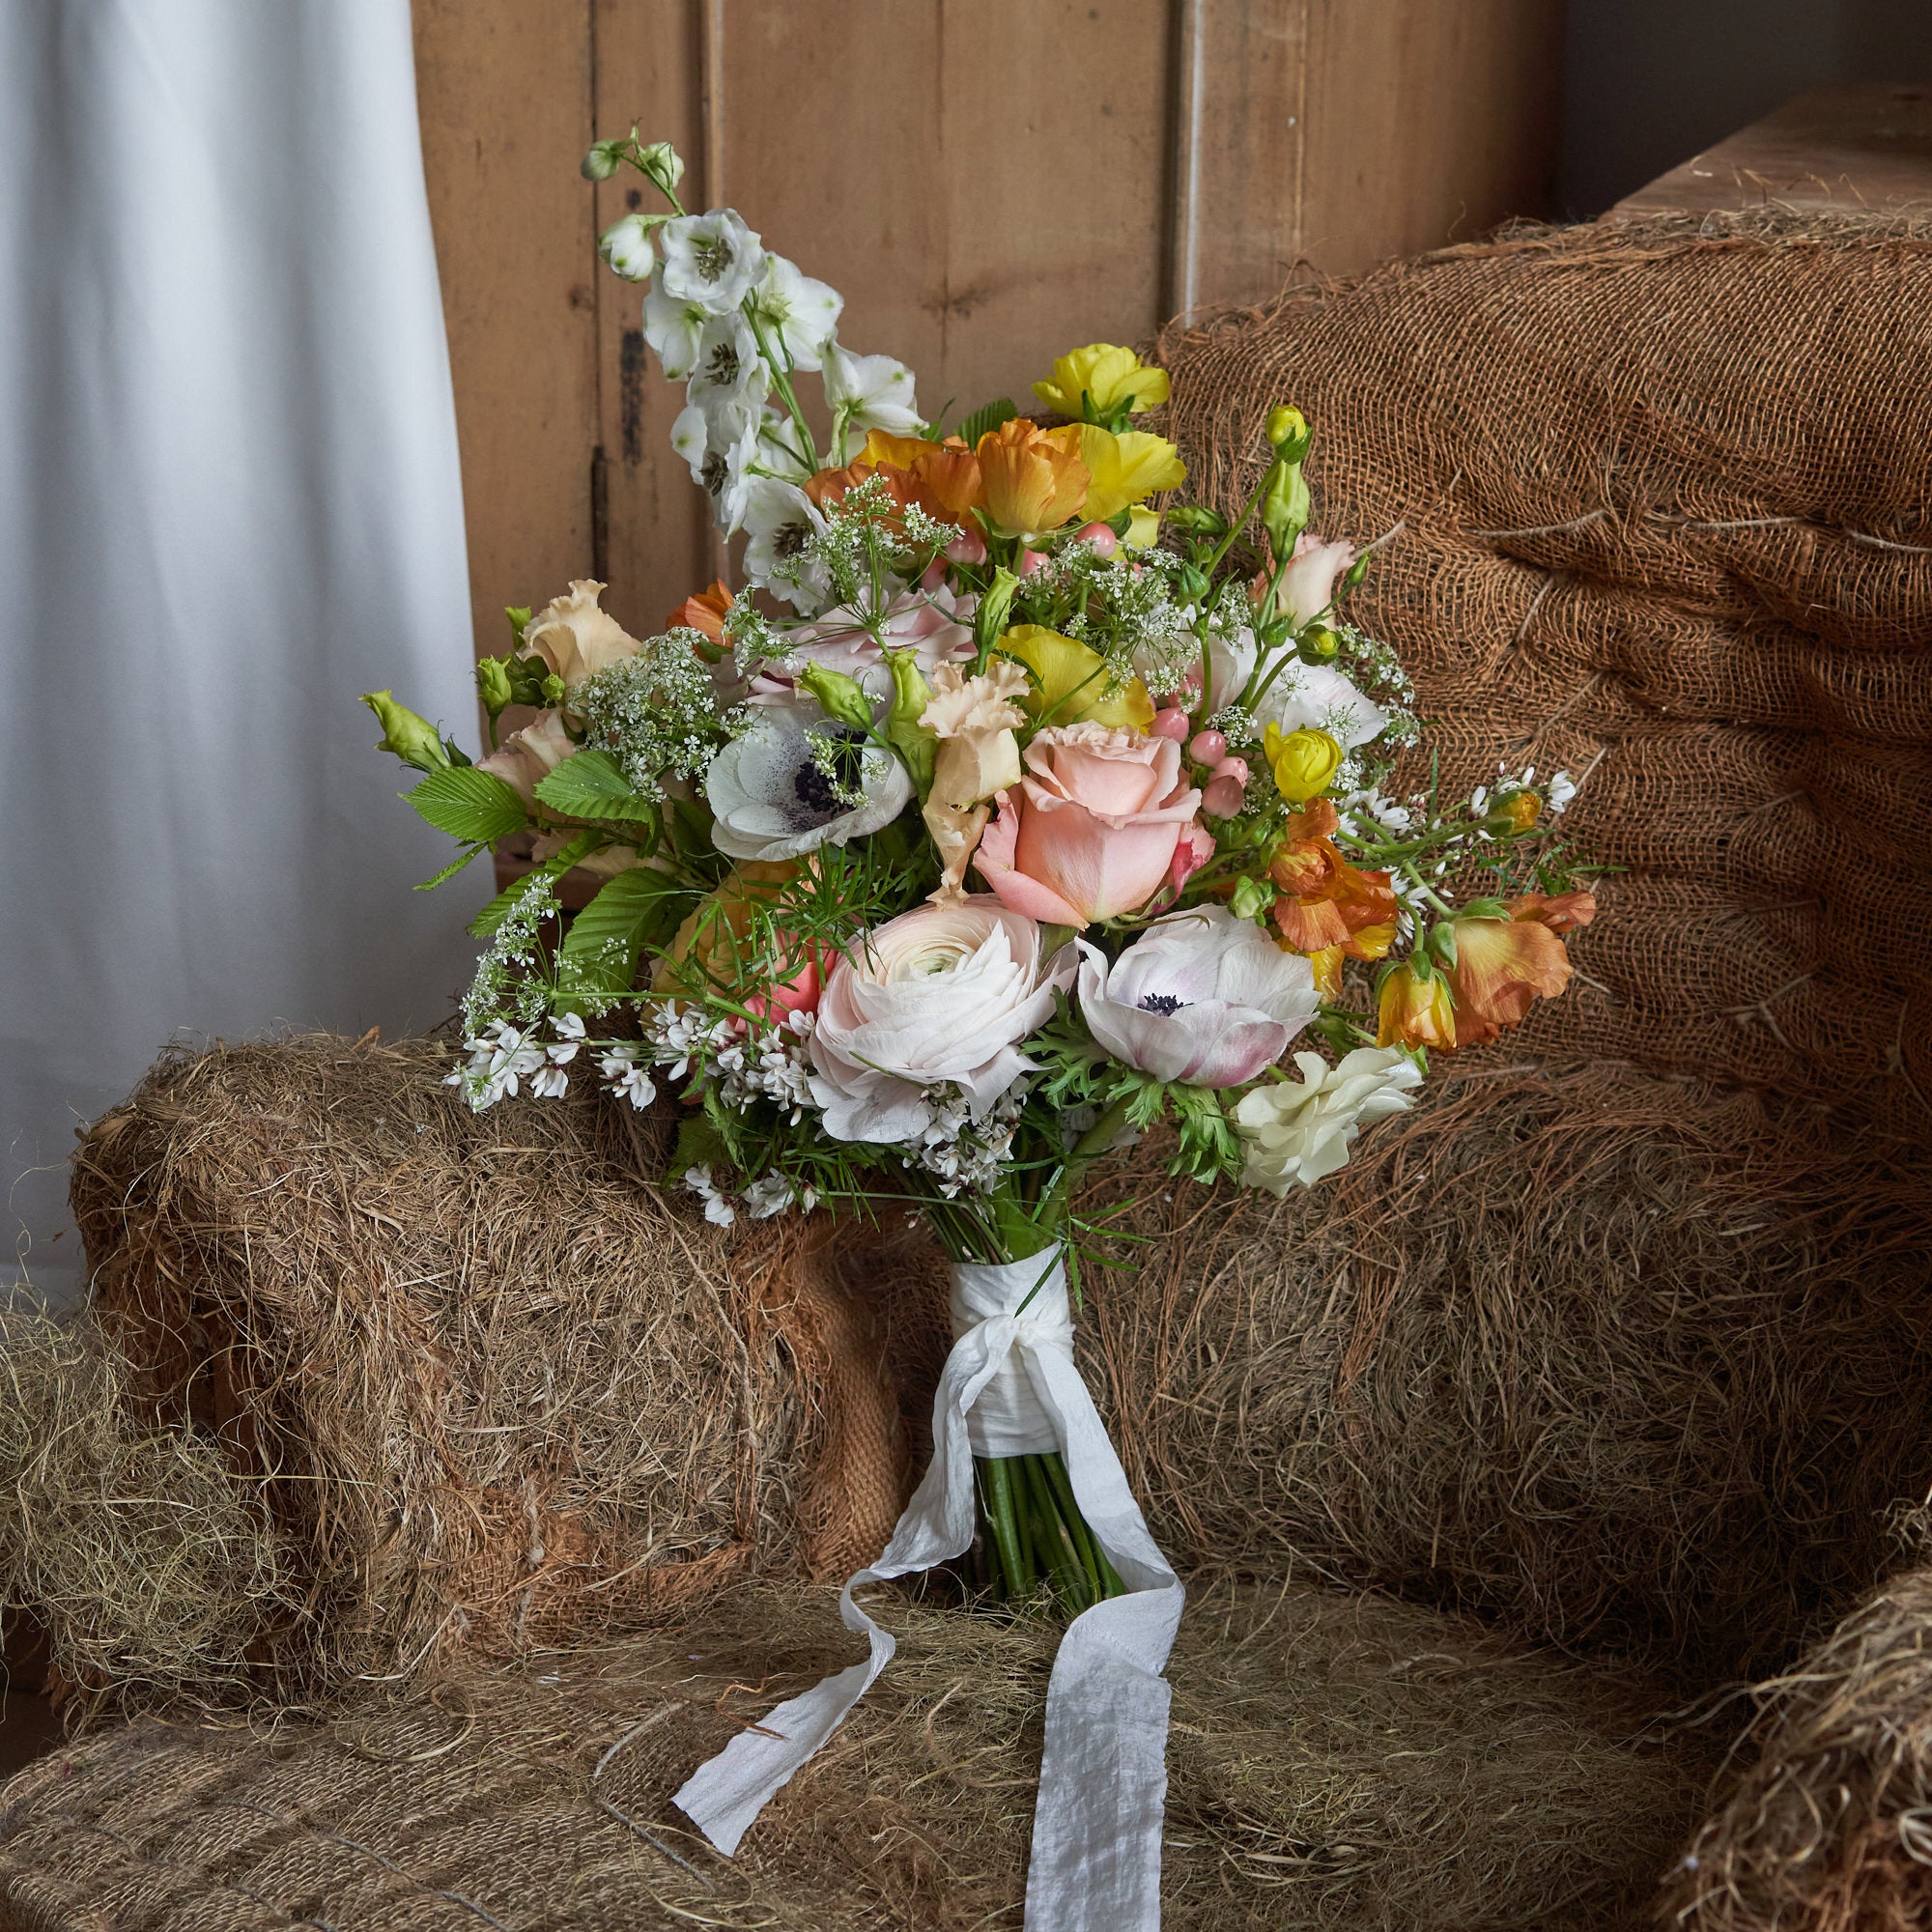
{"points": [[988, 181]]}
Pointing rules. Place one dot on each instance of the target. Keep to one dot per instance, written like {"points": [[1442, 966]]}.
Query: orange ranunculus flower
{"points": [[1415, 1012], [1564, 913], [1501, 965], [1327, 902], [1033, 479], [1327, 968], [943, 478], [705, 612]]}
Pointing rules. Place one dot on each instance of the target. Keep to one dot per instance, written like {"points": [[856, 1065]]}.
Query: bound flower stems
{"points": [[1035, 1534]]}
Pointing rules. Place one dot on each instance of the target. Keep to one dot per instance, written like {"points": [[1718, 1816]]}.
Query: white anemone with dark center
{"points": [[773, 799]]}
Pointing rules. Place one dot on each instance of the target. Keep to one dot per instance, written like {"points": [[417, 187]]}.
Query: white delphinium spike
{"points": [[795, 313], [710, 259], [868, 392]]}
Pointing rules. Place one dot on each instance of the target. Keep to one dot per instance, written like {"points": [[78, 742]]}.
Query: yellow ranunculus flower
{"points": [[1111, 378], [1068, 685], [1303, 762], [1031, 479], [1144, 530], [1125, 468]]}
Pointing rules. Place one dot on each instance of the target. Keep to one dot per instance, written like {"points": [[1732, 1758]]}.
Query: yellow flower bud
{"points": [[1519, 812], [1283, 422], [1303, 762]]}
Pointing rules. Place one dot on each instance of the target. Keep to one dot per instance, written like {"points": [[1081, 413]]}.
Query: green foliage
{"points": [[986, 419], [476, 806], [599, 955], [450, 870], [484, 926], [594, 785]]}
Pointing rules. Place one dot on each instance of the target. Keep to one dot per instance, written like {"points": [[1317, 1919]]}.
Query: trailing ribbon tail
{"points": [[1011, 1387]]}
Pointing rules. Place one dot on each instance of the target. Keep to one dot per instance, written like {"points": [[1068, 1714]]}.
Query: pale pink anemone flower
{"points": [[932, 624], [1092, 829], [1201, 997]]}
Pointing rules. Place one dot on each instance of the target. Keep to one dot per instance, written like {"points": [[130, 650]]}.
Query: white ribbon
{"points": [[1010, 1389]]}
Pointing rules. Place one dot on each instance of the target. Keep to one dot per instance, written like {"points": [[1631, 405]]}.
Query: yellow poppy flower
{"points": [[1125, 468], [1144, 528], [1109, 377], [1069, 682]]}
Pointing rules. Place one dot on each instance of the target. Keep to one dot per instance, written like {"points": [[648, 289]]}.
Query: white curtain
{"points": [[229, 503]]}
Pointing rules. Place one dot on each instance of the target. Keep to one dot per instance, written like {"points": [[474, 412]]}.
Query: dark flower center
{"points": [[1161, 1002], [813, 788], [724, 365], [789, 539], [711, 256], [714, 472]]}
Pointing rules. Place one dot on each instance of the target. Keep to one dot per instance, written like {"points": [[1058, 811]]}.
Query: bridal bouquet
{"points": [[997, 817]]}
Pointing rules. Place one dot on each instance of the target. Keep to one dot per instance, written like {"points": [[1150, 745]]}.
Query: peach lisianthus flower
{"points": [[974, 719], [576, 636], [1091, 830], [526, 758]]}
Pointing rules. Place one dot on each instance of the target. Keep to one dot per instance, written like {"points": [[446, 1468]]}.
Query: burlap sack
{"points": [[1334, 1761], [1662, 504]]}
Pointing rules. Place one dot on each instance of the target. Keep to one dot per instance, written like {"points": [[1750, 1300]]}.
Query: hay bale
{"points": [[1335, 1762], [492, 1389], [147, 1566], [1830, 1827], [1663, 491], [1623, 1362], [1613, 1359]]}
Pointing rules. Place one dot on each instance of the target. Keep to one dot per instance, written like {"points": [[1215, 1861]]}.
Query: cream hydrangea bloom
{"points": [[1301, 1130]]}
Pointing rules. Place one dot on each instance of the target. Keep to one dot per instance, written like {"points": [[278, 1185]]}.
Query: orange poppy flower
{"points": [[1564, 913], [705, 612], [1413, 1012], [1501, 966], [1325, 901], [1033, 479]]}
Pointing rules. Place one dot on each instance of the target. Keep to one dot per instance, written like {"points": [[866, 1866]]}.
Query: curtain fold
{"points": [[229, 503]]}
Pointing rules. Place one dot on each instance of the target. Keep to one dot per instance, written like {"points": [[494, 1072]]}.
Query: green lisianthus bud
{"points": [[411, 738], [492, 684], [552, 689], [1285, 508], [1318, 645], [904, 733], [989, 619], [1251, 898], [842, 698]]}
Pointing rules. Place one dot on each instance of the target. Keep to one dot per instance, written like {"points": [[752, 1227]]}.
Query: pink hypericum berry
{"points": [[969, 547], [1031, 564], [1222, 799], [1209, 748], [1105, 543], [1233, 768], [1172, 724]]}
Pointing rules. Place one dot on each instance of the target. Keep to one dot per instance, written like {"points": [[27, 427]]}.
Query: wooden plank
{"points": [[654, 545], [1339, 132], [1851, 146], [504, 95]]}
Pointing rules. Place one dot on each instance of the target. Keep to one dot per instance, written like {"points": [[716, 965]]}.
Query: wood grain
{"points": [[504, 95], [1859, 144]]}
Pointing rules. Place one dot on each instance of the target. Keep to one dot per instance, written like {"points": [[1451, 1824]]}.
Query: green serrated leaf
{"points": [[599, 954], [492, 915], [475, 807], [592, 785], [989, 416], [450, 870], [699, 1143]]}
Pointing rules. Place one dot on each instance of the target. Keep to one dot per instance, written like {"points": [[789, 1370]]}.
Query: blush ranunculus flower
{"points": [[1199, 997], [939, 997], [574, 636], [1091, 830], [1308, 584]]}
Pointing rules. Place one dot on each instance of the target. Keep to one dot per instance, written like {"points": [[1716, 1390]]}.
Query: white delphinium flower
{"points": [[868, 392], [729, 380], [1301, 1130], [674, 327], [712, 258], [720, 444], [779, 520], [718, 1209], [626, 247], [795, 313]]}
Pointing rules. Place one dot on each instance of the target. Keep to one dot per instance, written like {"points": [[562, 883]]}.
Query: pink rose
{"points": [[1092, 829]]}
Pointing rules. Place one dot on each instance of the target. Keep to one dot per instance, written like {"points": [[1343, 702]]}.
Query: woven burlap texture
{"points": [[1657, 509]]}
